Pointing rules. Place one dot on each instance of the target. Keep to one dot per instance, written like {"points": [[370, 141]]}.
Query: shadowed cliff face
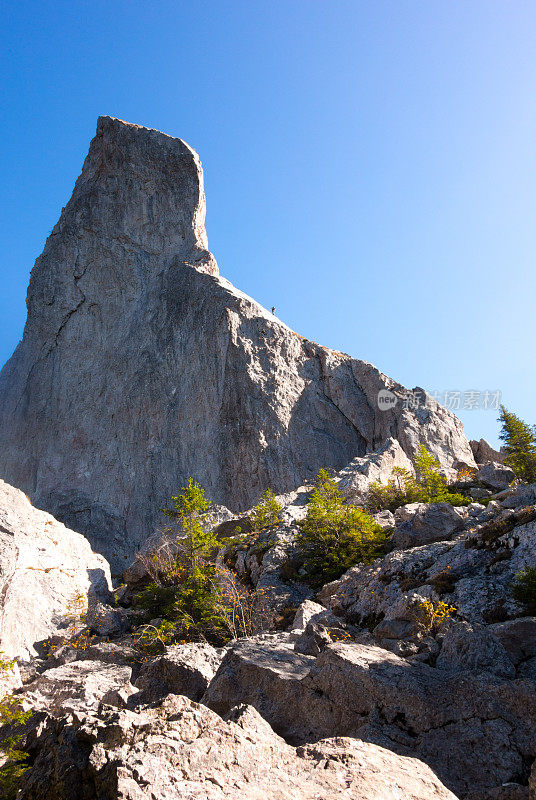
{"points": [[140, 366]]}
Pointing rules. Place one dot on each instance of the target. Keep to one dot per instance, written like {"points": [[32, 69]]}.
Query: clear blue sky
{"points": [[370, 165]]}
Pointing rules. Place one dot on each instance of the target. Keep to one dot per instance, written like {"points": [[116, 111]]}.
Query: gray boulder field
{"points": [[183, 750]]}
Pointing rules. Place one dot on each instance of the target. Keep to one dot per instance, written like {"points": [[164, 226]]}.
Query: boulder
{"points": [[407, 512], [157, 348], [307, 611], [121, 653], [314, 639], [517, 637], [266, 672], [79, 686], [431, 522], [475, 731], [476, 650], [183, 750], [386, 518], [184, 669], [483, 452], [496, 476], [106, 620], [474, 728], [522, 495], [376, 467], [45, 569]]}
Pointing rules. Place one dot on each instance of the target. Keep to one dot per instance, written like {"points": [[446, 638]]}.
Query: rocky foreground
{"points": [[355, 692]]}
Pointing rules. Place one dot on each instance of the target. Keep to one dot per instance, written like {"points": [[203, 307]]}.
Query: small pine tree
{"points": [[428, 471], [520, 445], [335, 535], [194, 596], [267, 513], [185, 592], [191, 512]]}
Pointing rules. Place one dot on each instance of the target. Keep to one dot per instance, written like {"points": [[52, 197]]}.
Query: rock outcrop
{"points": [[46, 571], [484, 452], [184, 750], [140, 366], [474, 729]]}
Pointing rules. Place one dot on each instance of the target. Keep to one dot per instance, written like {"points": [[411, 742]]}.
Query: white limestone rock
{"points": [[45, 571], [377, 467]]}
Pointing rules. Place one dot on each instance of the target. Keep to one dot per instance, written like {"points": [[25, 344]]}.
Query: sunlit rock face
{"points": [[141, 366]]}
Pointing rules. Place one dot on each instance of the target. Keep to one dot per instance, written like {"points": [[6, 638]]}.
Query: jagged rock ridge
{"points": [[140, 366]]}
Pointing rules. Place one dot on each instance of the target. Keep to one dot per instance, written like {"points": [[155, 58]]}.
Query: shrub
{"points": [[12, 718], [433, 614], [244, 611], [524, 589], [267, 513], [434, 486], [194, 597], [428, 486], [401, 488], [334, 534], [77, 635], [520, 445]]}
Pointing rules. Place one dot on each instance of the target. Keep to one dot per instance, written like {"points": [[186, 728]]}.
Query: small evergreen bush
{"points": [[335, 535], [267, 513], [191, 596], [524, 589], [427, 486]]}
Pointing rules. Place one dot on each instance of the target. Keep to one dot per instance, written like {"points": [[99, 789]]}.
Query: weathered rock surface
{"points": [[45, 571], [265, 672], [464, 648], [475, 730], [184, 750], [431, 522], [495, 476], [140, 366], [184, 669], [484, 452], [473, 575], [377, 467], [79, 686]]}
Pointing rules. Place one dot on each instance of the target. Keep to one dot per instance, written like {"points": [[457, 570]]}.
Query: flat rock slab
{"points": [[78, 686]]}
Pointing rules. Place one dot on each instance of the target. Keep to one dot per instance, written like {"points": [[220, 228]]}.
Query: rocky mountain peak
{"points": [[141, 366], [140, 189]]}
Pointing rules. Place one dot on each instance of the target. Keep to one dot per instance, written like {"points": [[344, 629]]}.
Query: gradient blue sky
{"points": [[370, 165]]}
